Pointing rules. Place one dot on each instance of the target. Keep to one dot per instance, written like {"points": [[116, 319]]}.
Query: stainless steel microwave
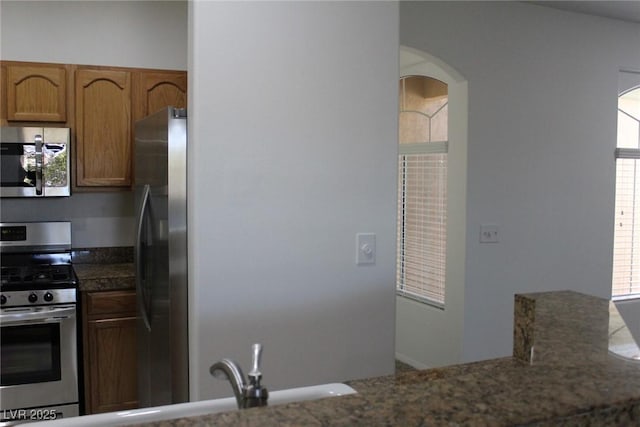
{"points": [[35, 162]]}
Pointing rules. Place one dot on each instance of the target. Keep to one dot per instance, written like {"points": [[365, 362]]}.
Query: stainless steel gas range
{"points": [[38, 345]]}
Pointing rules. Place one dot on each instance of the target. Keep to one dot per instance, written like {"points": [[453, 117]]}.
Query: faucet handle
{"points": [[254, 393], [255, 373]]}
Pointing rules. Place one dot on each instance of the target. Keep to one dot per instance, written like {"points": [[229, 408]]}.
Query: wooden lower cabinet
{"points": [[110, 352]]}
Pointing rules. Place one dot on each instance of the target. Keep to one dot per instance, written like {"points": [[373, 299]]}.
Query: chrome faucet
{"points": [[248, 395]]}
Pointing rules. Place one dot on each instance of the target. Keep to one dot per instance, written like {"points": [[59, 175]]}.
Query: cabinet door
{"points": [[158, 89], [109, 304], [103, 128], [113, 367], [36, 93]]}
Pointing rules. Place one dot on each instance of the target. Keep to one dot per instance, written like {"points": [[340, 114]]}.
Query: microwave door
{"points": [[56, 158], [35, 162], [18, 169], [55, 167]]}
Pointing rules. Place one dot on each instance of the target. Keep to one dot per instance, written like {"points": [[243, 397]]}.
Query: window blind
{"points": [[422, 225], [626, 242]]}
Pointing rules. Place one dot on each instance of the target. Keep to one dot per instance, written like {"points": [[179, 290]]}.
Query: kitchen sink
{"points": [[192, 409]]}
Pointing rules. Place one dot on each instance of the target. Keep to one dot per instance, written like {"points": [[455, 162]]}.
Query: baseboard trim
{"points": [[411, 362]]}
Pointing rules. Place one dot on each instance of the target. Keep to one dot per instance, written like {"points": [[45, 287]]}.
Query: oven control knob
{"points": [[48, 297], [3, 299], [33, 297]]}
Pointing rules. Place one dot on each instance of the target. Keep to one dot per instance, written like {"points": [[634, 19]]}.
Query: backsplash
{"points": [[97, 219]]}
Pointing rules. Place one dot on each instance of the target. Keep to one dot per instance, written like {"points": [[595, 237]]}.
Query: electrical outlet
{"points": [[489, 233]]}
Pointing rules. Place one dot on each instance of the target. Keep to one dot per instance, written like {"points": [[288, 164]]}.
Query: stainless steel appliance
{"points": [[161, 257], [38, 346], [35, 162]]}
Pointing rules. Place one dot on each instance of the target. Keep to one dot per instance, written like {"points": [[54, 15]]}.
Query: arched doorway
{"points": [[431, 216]]}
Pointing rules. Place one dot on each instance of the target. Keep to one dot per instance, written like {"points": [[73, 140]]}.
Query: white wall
{"points": [[293, 137], [142, 34], [146, 34], [543, 89]]}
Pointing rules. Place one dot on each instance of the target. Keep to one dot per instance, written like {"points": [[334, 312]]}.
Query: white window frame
{"points": [[408, 149], [629, 154]]}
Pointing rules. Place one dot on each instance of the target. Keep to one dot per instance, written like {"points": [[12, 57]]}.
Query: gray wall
{"points": [[543, 88], [280, 235], [97, 219], [129, 34], [149, 34], [293, 151]]}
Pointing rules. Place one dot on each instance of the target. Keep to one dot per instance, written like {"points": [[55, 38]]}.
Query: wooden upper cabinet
{"points": [[103, 127], [155, 90], [100, 104], [36, 92]]}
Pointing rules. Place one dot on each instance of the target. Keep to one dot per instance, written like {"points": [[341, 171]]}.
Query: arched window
{"points": [[626, 246], [422, 189]]}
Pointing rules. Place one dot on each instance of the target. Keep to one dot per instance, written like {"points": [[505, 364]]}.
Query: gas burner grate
{"points": [[37, 275], [10, 275]]}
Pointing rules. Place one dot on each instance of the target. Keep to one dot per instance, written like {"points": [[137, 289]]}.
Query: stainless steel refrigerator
{"points": [[161, 257]]}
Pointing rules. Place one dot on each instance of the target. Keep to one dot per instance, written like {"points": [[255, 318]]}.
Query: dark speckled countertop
{"points": [[562, 374], [102, 269], [105, 277]]}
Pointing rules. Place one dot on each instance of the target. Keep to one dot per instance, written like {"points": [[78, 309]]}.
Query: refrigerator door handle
{"points": [[138, 261]]}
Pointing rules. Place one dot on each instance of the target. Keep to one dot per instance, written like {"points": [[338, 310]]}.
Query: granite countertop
{"points": [[101, 269], [561, 373], [103, 277]]}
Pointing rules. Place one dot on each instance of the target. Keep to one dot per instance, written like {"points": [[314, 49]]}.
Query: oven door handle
{"points": [[55, 315]]}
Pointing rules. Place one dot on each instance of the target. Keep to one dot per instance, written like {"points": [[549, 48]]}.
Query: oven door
{"points": [[38, 356], [35, 162]]}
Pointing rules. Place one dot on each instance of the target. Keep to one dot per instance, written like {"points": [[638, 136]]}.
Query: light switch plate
{"points": [[365, 248]]}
